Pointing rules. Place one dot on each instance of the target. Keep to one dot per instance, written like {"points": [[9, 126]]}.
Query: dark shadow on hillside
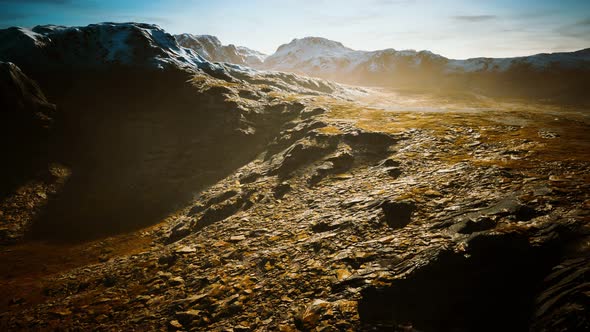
{"points": [[492, 289], [139, 145]]}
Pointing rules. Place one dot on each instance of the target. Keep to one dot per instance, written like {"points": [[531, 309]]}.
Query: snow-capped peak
{"points": [[211, 48], [310, 47], [132, 44], [208, 38], [252, 56], [330, 59]]}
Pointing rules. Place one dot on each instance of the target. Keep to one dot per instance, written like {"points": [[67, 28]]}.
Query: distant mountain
{"points": [[210, 48], [548, 76], [329, 59], [252, 57]]}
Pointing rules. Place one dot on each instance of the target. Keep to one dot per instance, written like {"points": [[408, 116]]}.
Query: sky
{"points": [[454, 28]]}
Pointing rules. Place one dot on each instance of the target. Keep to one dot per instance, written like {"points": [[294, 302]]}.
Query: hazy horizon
{"points": [[456, 29]]}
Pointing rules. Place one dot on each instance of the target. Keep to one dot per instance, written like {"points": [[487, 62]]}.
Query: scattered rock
{"points": [[398, 214], [306, 114], [325, 226], [167, 259], [311, 316], [175, 324], [109, 281], [176, 281], [185, 250], [237, 238], [281, 190], [299, 155], [394, 172], [179, 231]]}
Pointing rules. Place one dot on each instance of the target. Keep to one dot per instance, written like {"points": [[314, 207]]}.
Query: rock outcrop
{"points": [[27, 119], [210, 48]]}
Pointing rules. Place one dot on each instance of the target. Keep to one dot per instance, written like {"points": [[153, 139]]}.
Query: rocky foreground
{"points": [[380, 213]]}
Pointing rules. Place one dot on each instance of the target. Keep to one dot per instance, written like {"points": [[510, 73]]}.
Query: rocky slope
{"points": [[210, 48], [27, 119], [143, 123]]}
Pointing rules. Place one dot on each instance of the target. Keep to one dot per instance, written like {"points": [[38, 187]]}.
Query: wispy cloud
{"points": [[475, 18], [579, 29], [393, 2], [143, 19]]}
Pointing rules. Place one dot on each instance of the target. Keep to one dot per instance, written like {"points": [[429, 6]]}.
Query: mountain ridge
{"points": [[327, 41], [211, 48], [332, 48], [550, 76]]}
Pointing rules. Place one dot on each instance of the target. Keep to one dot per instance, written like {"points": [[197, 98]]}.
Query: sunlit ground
{"points": [[546, 132]]}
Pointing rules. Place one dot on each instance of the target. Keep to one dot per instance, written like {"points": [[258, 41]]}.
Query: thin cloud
{"points": [[475, 18], [346, 20], [579, 29], [393, 2], [143, 19]]}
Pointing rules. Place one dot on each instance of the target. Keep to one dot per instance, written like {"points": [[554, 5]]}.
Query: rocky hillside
{"points": [[210, 48], [27, 120], [143, 123]]}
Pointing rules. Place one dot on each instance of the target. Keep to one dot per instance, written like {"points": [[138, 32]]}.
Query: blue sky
{"points": [[453, 28]]}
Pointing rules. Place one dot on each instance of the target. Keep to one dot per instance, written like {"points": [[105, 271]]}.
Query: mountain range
{"points": [[555, 75]]}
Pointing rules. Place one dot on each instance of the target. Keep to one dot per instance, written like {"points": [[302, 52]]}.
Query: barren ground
{"points": [[391, 210]]}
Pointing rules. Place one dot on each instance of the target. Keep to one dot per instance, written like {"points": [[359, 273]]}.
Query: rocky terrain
{"points": [[210, 48], [212, 197], [27, 119], [141, 124]]}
